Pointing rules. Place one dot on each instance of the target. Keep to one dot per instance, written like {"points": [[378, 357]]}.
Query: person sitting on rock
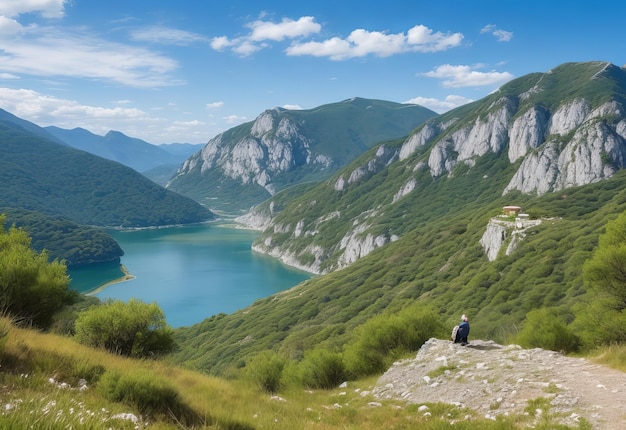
{"points": [[463, 332]]}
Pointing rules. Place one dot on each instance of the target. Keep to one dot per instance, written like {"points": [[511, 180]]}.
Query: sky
{"points": [[184, 71]]}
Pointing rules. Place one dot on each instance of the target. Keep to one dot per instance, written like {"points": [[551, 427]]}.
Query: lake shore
{"points": [[127, 277]]}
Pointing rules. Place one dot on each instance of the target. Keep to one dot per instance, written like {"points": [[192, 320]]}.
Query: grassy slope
{"points": [[34, 365]]}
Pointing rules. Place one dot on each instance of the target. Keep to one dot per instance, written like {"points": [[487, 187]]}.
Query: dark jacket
{"points": [[464, 329]]}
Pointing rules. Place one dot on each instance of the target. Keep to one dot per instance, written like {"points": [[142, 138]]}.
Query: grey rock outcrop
{"points": [[496, 380], [274, 145], [500, 232]]}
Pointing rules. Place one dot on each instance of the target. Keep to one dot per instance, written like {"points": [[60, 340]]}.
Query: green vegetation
{"points": [[32, 289], [39, 175], [51, 382], [134, 329], [64, 240]]}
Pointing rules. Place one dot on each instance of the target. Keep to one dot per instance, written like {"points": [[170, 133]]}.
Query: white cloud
{"points": [[167, 36], [292, 107], [222, 42], [48, 52], [234, 119], [47, 8], [7, 76], [286, 29], [358, 43], [466, 76], [263, 31], [192, 123], [215, 105], [9, 27], [362, 42], [440, 106], [501, 35], [46, 110]]}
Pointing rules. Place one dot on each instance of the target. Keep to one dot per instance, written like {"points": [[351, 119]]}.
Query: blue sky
{"points": [[184, 71]]}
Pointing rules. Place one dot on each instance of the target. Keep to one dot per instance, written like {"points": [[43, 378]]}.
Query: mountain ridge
{"points": [[283, 147], [548, 147], [129, 151]]}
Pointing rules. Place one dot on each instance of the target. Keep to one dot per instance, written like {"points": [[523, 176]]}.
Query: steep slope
{"points": [[40, 175], [247, 164], [132, 152], [550, 131]]}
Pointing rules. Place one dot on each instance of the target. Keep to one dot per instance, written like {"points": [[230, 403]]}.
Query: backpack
{"points": [[455, 330]]}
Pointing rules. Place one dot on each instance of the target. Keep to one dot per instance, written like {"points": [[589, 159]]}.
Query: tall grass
{"points": [[613, 356]]}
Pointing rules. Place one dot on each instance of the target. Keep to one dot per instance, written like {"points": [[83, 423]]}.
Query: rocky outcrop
{"points": [[595, 151], [500, 232], [572, 143], [496, 380]]}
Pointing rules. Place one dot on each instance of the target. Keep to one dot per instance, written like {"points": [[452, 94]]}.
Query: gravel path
{"points": [[493, 379]]}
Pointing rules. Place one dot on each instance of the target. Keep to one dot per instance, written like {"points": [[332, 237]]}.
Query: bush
{"points": [[150, 394], [266, 369], [134, 329], [32, 289], [383, 339], [544, 329], [322, 369]]}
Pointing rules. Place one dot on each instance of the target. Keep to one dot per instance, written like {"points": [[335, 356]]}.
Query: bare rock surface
{"points": [[493, 379]]}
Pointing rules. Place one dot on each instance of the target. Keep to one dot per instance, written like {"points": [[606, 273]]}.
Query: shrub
{"points": [[32, 289], [266, 369], [133, 329], [383, 339], [150, 394], [544, 329], [322, 369]]}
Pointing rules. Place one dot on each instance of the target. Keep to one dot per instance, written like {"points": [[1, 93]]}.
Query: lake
{"points": [[191, 272]]}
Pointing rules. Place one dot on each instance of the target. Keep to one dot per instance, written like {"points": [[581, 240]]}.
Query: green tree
{"points": [[605, 272], [134, 329], [32, 289], [544, 328], [603, 320]]}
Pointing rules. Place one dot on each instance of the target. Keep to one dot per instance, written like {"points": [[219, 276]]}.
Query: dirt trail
{"points": [[493, 379]]}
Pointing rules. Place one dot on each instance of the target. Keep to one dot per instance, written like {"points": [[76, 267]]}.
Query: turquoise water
{"points": [[191, 272]]}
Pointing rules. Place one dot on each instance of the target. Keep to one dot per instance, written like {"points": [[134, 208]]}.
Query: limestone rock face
{"points": [[500, 232], [273, 146], [595, 151]]}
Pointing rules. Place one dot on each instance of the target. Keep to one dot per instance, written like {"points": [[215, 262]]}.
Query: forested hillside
{"points": [[39, 175], [63, 239]]}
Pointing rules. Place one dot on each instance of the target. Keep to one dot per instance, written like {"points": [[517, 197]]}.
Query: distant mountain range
{"points": [[247, 164], [138, 154]]}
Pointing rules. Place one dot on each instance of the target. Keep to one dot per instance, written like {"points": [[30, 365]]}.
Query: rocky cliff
{"points": [[561, 143], [549, 131]]}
